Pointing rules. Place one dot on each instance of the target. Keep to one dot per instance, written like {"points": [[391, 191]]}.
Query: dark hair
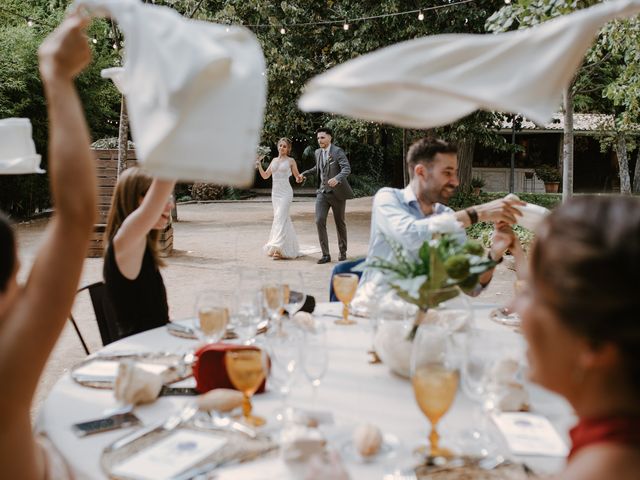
{"points": [[425, 150], [587, 259], [326, 130], [7, 251]]}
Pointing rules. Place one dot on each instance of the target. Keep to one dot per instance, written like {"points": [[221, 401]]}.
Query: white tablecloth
{"points": [[354, 390]]}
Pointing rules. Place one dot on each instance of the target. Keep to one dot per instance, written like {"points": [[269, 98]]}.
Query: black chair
{"points": [[103, 311], [343, 267]]}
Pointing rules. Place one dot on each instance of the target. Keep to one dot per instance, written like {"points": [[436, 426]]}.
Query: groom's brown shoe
{"points": [[324, 259]]}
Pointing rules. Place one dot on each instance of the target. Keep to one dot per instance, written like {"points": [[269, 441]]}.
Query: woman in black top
{"points": [[140, 209]]}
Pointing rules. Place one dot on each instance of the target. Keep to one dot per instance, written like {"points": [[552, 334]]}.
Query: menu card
{"points": [[530, 434], [170, 456]]}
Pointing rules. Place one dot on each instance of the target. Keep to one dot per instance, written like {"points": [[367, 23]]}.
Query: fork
{"points": [[167, 425]]}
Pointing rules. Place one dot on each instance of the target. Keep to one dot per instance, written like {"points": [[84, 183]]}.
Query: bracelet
{"points": [[473, 215]]}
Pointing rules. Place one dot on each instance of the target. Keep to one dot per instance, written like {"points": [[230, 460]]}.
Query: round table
{"points": [[352, 389]]}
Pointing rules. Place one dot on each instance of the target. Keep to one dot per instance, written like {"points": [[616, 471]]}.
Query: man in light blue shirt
{"points": [[409, 216]]}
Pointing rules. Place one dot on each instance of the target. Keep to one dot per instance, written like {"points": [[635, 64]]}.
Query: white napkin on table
{"points": [[435, 80], [17, 150], [195, 92]]}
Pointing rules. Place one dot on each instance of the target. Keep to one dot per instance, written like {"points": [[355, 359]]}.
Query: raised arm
{"points": [[131, 239], [34, 324], [264, 173]]}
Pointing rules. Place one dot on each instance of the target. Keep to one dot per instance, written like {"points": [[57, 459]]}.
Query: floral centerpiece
{"points": [[445, 261]]}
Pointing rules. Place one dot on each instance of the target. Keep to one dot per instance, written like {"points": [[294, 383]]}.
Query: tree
{"points": [[21, 92]]}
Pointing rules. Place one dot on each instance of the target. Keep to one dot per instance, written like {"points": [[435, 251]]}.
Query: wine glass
{"points": [[315, 357], [345, 286], [212, 316], [434, 376], [246, 371], [284, 348], [273, 296], [246, 315], [294, 296]]}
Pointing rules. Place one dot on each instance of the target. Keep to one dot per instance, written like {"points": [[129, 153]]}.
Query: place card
{"points": [[176, 453], [106, 370], [530, 434]]}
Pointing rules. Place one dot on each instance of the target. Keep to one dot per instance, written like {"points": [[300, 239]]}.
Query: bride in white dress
{"points": [[283, 242]]}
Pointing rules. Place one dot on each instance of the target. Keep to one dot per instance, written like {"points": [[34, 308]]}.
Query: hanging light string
{"points": [[419, 11], [283, 27]]}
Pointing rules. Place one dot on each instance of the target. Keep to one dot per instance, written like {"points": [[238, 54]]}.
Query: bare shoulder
{"points": [[604, 462]]}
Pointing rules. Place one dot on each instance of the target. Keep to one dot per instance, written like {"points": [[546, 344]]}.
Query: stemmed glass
{"points": [[434, 376], [345, 286], [246, 371], [273, 296], [246, 315], [212, 316], [315, 357], [284, 348], [491, 365], [506, 315], [294, 296]]}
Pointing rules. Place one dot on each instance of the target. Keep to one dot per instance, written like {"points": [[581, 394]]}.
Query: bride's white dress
{"points": [[283, 241]]}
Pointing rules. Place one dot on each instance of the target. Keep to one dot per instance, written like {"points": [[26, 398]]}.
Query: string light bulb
{"points": [[283, 31], [94, 40], [115, 46], [30, 23], [291, 82], [421, 16], [345, 27], [507, 2]]}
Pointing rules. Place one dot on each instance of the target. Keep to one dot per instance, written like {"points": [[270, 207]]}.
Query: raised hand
{"points": [[500, 210], [65, 52], [503, 239]]}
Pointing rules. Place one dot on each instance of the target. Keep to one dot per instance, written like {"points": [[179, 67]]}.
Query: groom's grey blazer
{"points": [[338, 167]]}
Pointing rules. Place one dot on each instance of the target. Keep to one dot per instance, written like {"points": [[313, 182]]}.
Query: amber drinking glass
{"points": [[212, 316], [345, 286], [434, 376], [246, 371]]}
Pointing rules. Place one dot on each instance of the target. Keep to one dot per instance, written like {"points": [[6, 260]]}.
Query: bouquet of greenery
{"points": [[262, 151], [444, 261]]}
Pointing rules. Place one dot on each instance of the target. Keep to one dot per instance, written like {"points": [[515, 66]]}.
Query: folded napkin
{"points": [[532, 214], [17, 150], [195, 92], [136, 385], [435, 80], [209, 368]]}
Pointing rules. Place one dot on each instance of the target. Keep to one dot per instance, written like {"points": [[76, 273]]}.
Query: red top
{"points": [[623, 430]]}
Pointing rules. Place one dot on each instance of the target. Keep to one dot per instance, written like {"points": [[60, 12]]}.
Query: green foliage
{"points": [[21, 92], [441, 263], [548, 174], [462, 200], [477, 182]]}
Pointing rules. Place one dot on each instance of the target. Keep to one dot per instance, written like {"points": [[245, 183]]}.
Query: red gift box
{"points": [[209, 368]]}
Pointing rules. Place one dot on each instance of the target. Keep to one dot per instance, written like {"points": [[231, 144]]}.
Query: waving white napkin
{"points": [[436, 80], [194, 90], [17, 150]]}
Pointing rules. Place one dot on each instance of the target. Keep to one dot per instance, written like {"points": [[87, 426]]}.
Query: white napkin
{"points": [[195, 92], [532, 214], [17, 150], [433, 81]]}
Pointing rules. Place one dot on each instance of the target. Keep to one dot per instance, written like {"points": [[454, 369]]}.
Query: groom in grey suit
{"points": [[332, 169]]}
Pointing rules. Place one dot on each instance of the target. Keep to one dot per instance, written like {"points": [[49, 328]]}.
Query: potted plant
{"points": [[476, 184], [550, 176]]}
